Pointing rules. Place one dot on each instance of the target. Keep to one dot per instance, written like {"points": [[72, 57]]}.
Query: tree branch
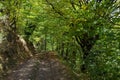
{"points": [[53, 7], [72, 3], [78, 39]]}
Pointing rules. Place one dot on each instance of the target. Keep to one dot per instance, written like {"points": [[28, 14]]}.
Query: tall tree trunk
{"points": [[86, 44]]}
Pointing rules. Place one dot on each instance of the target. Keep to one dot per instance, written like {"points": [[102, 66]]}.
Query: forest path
{"points": [[43, 67]]}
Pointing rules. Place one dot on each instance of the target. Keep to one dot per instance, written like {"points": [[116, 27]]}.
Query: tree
{"points": [[86, 20]]}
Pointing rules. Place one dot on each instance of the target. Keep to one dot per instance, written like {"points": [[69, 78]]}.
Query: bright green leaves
{"points": [[86, 20], [105, 58], [58, 22]]}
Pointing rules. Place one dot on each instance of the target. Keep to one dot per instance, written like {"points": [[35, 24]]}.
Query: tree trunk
{"points": [[86, 43]]}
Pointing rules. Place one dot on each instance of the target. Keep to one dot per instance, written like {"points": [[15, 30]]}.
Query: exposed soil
{"points": [[45, 66]]}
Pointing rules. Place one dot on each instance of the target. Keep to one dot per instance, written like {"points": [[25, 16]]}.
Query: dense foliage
{"points": [[85, 33]]}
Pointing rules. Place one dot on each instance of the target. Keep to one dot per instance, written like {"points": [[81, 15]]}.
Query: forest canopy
{"points": [[84, 33]]}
